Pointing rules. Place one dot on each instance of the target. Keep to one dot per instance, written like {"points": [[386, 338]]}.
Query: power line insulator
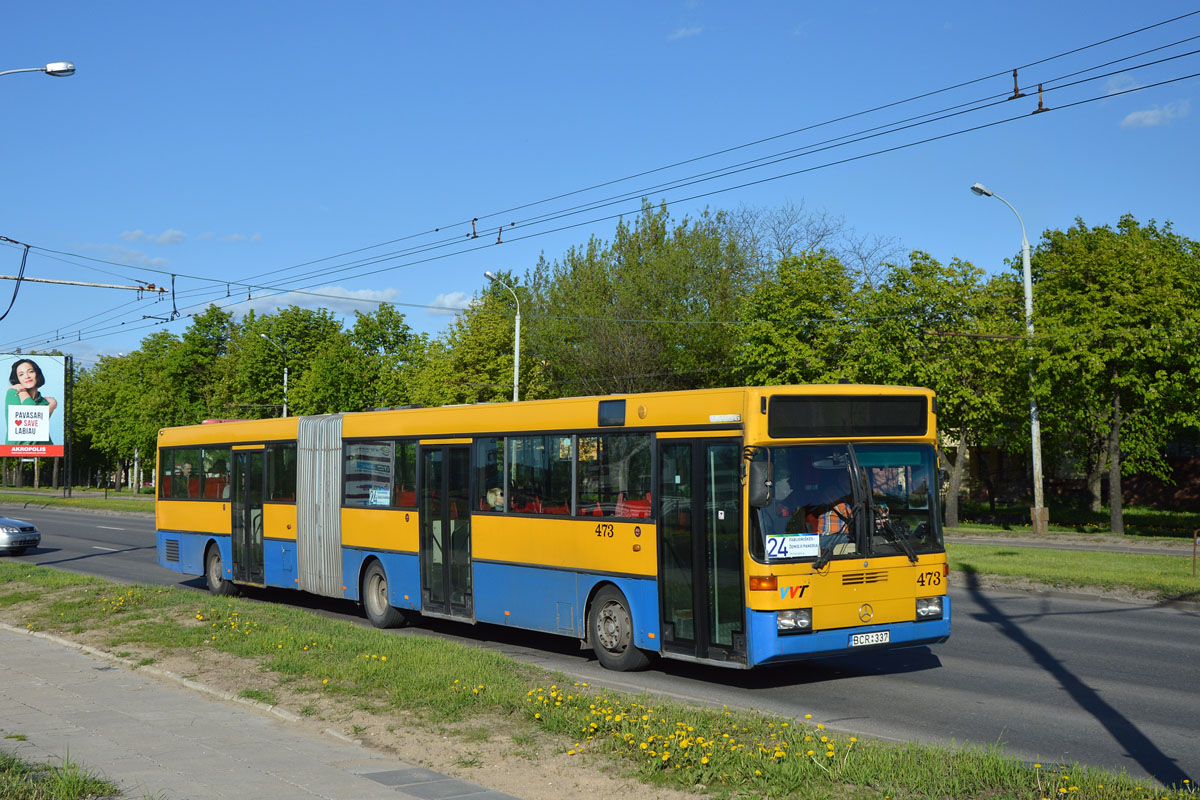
{"points": [[1016, 88]]}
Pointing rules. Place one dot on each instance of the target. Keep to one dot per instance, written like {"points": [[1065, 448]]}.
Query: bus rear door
{"points": [[446, 587]]}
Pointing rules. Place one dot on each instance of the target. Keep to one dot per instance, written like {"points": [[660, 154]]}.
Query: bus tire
{"points": [[375, 599], [214, 573], [610, 632]]}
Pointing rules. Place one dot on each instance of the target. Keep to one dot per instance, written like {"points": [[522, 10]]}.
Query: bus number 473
{"points": [[929, 579]]}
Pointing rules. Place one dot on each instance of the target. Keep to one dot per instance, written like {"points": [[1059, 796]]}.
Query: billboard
{"points": [[33, 404]]}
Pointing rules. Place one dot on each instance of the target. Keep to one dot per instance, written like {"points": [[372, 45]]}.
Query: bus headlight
{"points": [[798, 620], [929, 608]]}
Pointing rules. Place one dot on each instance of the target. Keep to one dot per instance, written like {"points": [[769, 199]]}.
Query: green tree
{"points": [[796, 324], [931, 324], [651, 311], [473, 361], [261, 347], [394, 352], [1117, 322], [339, 378]]}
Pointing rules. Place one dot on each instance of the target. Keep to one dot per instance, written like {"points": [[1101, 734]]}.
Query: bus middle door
{"points": [[445, 480]]}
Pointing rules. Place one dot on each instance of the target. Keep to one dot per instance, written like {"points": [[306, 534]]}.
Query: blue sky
{"points": [[227, 140]]}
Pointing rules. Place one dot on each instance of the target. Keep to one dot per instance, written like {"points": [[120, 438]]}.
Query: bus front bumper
{"points": [[767, 646]]}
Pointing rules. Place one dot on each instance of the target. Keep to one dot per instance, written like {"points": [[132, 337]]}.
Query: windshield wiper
{"points": [[899, 535], [827, 555]]}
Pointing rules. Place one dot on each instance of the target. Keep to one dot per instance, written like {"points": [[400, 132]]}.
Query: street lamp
{"points": [[517, 333], [285, 368], [59, 69], [1041, 517]]}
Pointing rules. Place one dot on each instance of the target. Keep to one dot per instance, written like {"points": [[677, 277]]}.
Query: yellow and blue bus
{"points": [[738, 527]]}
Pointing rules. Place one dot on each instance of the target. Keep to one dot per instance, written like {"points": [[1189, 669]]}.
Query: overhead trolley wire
{"points": [[275, 291], [277, 287], [723, 151]]}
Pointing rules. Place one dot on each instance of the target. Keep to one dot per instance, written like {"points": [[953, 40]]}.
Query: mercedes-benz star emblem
{"points": [[865, 612]]}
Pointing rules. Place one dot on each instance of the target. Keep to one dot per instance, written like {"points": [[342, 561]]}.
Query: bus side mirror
{"points": [[760, 487]]}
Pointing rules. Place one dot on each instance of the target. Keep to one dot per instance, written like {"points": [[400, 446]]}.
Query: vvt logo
{"points": [[791, 592]]}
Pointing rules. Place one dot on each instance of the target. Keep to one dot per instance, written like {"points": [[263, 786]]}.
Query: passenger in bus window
{"points": [[495, 499], [182, 480]]}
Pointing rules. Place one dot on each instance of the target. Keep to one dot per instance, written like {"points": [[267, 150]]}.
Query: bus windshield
{"points": [[829, 501]]}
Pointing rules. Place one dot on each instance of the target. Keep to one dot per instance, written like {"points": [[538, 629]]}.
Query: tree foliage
{"points": [[757, 297]]}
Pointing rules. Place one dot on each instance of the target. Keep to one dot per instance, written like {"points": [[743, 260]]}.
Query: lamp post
{"points": [[1041, 516], [58, 69], [516, 334], [285, 368]]}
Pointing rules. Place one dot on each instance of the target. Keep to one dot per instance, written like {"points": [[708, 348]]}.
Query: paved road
{"points": [[1051, 678]]}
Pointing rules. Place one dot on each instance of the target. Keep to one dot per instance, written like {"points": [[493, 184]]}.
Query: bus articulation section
{"points": [[737, 527]]}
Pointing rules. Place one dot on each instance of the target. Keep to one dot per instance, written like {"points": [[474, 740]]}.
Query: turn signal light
{"points": [[764, 583]]}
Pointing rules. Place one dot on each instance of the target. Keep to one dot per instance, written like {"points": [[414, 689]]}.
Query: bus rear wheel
{"points": [[380, 612], [214, 573], [610, 632]]}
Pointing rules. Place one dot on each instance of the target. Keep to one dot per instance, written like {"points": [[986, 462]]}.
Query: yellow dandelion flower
{"points": [[325, 681], [808, 716], [810, 752], [704, 760]]}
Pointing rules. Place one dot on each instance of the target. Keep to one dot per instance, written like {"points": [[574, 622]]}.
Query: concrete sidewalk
{"points": [[158, 738]]}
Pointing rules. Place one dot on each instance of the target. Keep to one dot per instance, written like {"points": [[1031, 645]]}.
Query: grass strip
{"points": [[22, 780], [1140, 521], [113, 503], [1165, 577], [718, 751]]}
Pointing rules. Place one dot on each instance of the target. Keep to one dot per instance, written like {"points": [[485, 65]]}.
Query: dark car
{"points": [[17, 536]]}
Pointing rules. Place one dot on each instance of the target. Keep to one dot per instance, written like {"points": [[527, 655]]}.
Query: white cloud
{"points": [[1155, 117], [133, 236], [234, 237], [124, 255], [335, 298], [450, 303], [684, 33], [170, 236], [1120, 83]]}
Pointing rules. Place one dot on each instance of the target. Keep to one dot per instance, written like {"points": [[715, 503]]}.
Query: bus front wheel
{"points": [[610, 632], [214, 573], [380, 612]]}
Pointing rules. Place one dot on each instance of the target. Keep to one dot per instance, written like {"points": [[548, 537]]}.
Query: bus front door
{"points": [[700, 545], [246, 502], [446, 531]]}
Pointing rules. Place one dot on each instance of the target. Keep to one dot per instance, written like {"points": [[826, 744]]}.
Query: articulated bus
{"points": [[737, 527]]}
